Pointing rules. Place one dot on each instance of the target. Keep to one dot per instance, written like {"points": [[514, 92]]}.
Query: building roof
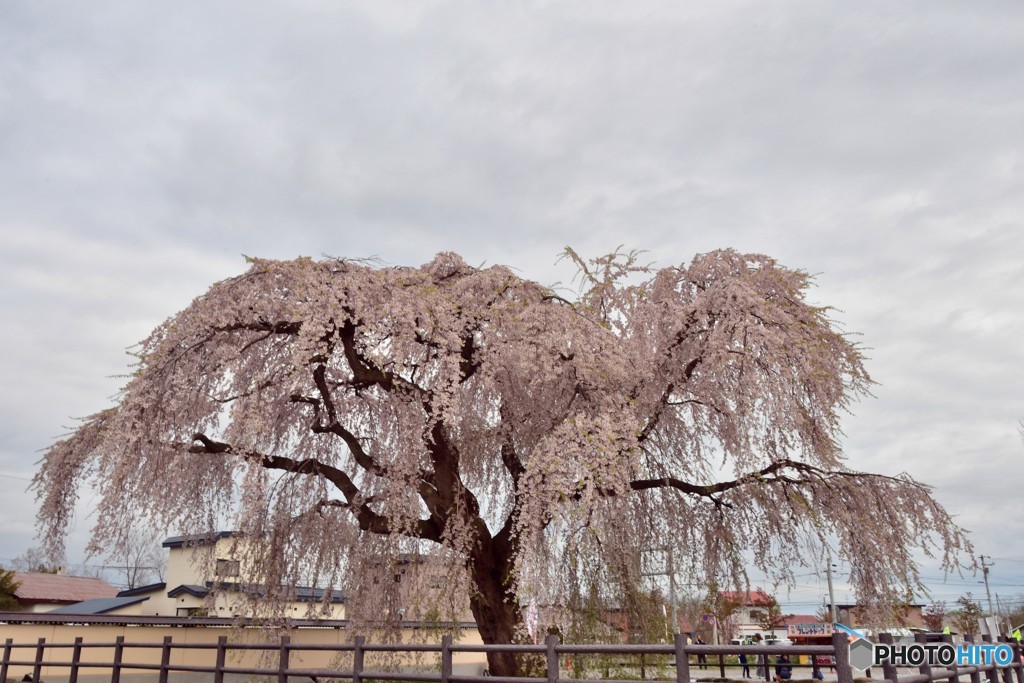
{"points": [[794, 619], [98, 606], [191, 589], [856, 606], [748, 598], [306, 594], [37, 588], [300, 594], [142, 590], [196, 539]]}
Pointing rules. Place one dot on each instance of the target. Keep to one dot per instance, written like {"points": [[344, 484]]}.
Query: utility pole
{"points": [[831, 592], [672, 589], [1004, 615], [984, 573], [670, 570]]}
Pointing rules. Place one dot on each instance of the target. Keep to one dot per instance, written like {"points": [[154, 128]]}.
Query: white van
{"points": [[766, 641]]}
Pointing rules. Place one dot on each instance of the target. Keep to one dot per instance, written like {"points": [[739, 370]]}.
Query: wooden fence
{"points": [[285, 660]]}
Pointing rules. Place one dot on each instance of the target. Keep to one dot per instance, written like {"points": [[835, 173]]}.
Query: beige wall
{"points": [[180, 568], [44, 607], [193, 564], [159, 604], [29, 634], [911, 617], [132, 610]]}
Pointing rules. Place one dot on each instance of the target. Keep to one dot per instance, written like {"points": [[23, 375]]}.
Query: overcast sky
{"points": [[145, 147]]}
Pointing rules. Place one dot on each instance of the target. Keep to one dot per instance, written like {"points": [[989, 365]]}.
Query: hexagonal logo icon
{"points": [[862, 654]]}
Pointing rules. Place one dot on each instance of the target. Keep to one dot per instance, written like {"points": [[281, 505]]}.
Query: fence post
{"points": [[446, 657], [38, 666], [550, 641], [682, 660], [1017, 663], [282, 660], [76, 657], [925, 667], [165, 659], [5, 662], [115, 673], [888, 669], [975, 676], [1007, 671], [992, 673], [953, 678], [721, 665], [218, 674], [841, 650], [357, 660]]}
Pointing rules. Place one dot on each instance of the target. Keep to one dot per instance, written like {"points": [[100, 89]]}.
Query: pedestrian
{"points": [[702, 657], [746, 666], [762, 662], [783, 671]]}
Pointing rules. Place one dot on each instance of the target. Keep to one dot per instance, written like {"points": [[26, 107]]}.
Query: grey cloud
{"points": [[877, 145]]}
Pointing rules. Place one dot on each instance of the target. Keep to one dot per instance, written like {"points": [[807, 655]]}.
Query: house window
{"points": [[227, 568], [191, 612]]}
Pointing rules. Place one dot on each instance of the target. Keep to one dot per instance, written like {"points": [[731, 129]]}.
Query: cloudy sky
{"points": [[144, 148]]}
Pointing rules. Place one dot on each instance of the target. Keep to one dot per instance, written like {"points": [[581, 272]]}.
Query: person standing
{"points": [[762, 661], [744, 664], [702, 657]]}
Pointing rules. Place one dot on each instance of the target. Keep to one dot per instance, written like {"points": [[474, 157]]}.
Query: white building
{"points": [[209, 576]]}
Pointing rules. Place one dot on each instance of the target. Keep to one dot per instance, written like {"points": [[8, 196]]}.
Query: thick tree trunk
{"points": [[497, 614]]}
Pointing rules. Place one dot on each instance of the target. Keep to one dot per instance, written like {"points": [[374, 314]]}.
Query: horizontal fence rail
{"points": [[282, 660], [148, 620]]}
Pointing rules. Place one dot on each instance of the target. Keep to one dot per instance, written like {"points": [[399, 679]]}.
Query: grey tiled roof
{"points": [[196, 539], [191, 589], [98, 606], [142, 590]]}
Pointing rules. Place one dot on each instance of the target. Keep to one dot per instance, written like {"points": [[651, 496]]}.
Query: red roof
{"points": [[37, 588], [747, 598]]}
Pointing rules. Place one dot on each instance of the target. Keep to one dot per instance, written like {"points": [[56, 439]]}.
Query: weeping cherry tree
{"points": [[342, 413]]}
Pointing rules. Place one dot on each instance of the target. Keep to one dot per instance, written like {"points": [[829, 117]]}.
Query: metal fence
{"points": [[284, 654]]}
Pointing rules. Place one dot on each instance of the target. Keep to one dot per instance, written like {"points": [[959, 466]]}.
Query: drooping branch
{"points": [[365, 372], [359, 454], [666, 399], [368, 519], [766, 475], [447, 480], [659, 407], [280, 327]]}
